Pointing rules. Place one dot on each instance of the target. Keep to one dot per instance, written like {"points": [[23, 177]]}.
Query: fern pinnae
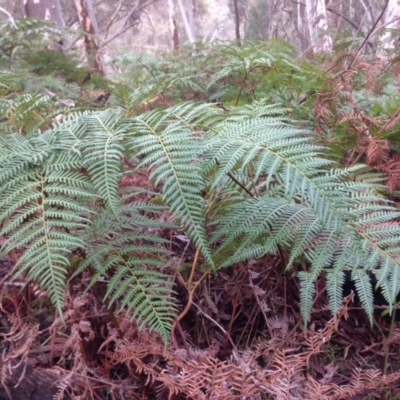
{"points": [[307, 232], [103, 153], [45, 259], [19, 160], [267, 221], [345, 207], [390, 287], [307, 292], [41, 214], [364, 290], [335, 281], [386, 267], [380, 241], [124, 255], [294, 175], [147, 294], [171, 151], [69, 133], [129, 99], [394, 286]]}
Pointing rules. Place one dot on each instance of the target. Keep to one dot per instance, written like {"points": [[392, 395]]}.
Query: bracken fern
{"points": [[240, 184]]}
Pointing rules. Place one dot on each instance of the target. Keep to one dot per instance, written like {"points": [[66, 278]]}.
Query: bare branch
{"points": [[368, 9], [371, 31], [138, 7], [343, 17], [112, 19]]}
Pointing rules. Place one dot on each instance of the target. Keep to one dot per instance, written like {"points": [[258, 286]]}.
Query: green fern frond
{"points": [[334, 282], [148, 294], [130, 99], [26, 111], [171, 148], [284, 154], [364, 290], [246, 181], [258, 109], [40, 215], [124, 254], [307, 292], [16, 153], [253, 65], [333, 217], [103, 151], [381, 246]]}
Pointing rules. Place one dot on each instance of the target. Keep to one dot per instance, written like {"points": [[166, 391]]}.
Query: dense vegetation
{"points": [[165, 202]]}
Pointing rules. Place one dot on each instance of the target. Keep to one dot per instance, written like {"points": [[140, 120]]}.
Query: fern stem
{"points": [[388, 122], [233, 316], [196, 258], [190, 299], [392, 322], [111, 313], [237, 182], [244, 81], [241, 88], [191, 289]]}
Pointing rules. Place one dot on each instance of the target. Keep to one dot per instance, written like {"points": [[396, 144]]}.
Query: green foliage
{"points": [[123, 252], [333, 217], [23, 38], [224, 73], [171, 149], [40, 209], [241, 181]]}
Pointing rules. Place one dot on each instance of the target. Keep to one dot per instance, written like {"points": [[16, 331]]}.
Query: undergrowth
{"points": [[123, 206]]}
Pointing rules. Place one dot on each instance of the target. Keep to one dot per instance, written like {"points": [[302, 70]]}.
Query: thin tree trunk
{"points": [[89, 26], [352, 10], [173, 26], [237, 23], [368, 10], [189, 33], [190, 13], [245, 17], [301, 27], [48, 10], [317, 19], [391, 21]]}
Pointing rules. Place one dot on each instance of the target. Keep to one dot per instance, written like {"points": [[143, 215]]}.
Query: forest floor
{"points": [[244, 331]]}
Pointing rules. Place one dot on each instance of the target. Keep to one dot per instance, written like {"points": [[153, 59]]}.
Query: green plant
{"points": [[240, 184]]}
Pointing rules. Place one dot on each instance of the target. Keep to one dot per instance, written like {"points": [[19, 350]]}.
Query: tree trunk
{"points": [[352, 10], [317, 19], [186, 24], [301, 27], [245, 17], [88, 24], [190, 13], [391, 21], [48, 10], [237, 22], [173, 26], [368, 10]]}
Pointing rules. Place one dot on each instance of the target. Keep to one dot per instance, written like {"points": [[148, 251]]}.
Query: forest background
{"points": [[199, 199]]}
